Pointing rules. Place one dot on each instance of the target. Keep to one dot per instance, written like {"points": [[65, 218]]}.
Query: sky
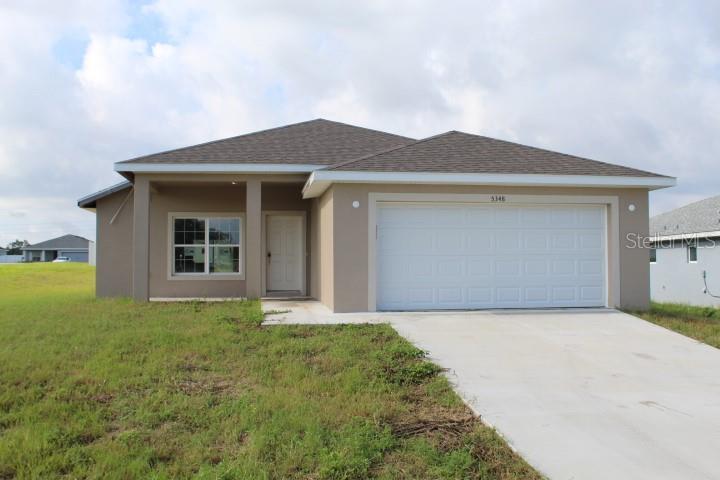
{"points": [[84, 84]]}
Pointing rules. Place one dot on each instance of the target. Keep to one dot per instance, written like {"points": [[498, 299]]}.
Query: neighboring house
{"points": [[5, 258], [364, 220], [686, 256], [71, 246]]}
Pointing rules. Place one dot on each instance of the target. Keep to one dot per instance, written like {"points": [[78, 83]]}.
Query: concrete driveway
{"points": [[585, 395], [579, 394]]}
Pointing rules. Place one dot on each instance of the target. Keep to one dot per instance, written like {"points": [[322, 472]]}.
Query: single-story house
{"points": [[74, 247], [685, 260], [364, 220]]}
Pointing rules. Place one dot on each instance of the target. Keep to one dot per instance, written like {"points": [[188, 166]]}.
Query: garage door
{"points": [[471, 256], [75, 256]]}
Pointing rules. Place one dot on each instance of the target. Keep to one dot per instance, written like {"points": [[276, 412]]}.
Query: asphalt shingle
{"points": [[66, 241], [458, 152], [316, 142], [702, 216]]}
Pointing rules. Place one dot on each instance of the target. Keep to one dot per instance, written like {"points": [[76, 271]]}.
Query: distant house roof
{"points": [[59, 243], [458, 152], [698, 217], [315, 142]]}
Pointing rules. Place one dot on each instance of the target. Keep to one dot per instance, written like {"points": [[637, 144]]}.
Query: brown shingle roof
{"points": [[315, 142], [458, 152]]}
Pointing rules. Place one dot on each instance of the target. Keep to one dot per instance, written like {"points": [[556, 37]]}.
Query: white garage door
{"points": [[467, 256]]}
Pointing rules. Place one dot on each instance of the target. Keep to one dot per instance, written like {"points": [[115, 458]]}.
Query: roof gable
{"points": [[315, 142], [697, 217], [458, 152], [66, 241]]}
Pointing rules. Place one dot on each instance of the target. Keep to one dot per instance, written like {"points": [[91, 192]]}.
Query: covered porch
{"points": [[220, 237]]}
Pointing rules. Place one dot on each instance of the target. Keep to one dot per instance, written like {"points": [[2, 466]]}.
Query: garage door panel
{"points": [[508, 267], [478, 240], [507, 240], [507, 217], [537, 217], [591, 293], [563, 240], [590, 217], [479, 216], [508, 295], [479, 267], [536, 294], [451, 240], [536, 266], [537, 241], [451, 296], [562, 295], [449, 216], [481, 256], [590, 240], [590, 267], [450, 268], [563, 217]]}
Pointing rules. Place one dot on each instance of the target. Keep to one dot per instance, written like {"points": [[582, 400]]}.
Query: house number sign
{"points": [[497, 198]]}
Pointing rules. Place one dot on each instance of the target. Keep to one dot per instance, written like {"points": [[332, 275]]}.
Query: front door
{"points": [[284, 253]]}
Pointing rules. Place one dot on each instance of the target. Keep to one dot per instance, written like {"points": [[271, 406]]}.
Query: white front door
{"points": [[284, 255], [469, 256]]}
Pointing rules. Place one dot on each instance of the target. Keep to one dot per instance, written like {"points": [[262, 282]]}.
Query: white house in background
{"points": [[685, 263], [5, 258]]}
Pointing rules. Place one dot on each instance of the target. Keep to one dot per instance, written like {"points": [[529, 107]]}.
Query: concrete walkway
{"points": [[580, 394]]}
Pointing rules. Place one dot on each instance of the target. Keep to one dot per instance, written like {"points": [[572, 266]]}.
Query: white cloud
{"points": [[628, 83]]}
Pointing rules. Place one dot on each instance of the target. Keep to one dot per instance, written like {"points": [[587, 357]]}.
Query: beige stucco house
{"points": [[364, 220]]}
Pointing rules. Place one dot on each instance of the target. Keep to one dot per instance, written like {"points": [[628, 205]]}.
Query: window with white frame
{"points": [[653, 255], [692, 254], [204, 245]]}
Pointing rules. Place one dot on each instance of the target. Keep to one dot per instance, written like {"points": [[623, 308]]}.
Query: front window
{"points": [[692, 254], [653, 255], [206, 245]]}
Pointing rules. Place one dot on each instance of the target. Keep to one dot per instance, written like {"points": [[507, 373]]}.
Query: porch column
{"points": [[253, 239], [141, 238]]}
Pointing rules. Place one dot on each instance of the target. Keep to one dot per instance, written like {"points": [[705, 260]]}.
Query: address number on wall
{"points": [[497, 198]]}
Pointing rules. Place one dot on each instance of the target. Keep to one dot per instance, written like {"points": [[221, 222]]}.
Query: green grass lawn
{"points": [[700, 323], [93, 388]]}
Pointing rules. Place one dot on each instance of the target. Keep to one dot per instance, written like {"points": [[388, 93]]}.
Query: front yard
{"points": [[700, 323], [108, 388]]}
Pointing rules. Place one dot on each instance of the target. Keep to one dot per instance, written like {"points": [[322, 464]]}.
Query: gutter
{"points": [[321, 180]]}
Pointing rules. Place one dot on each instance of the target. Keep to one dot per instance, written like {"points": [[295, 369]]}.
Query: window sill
{"points": [[207, 276]]}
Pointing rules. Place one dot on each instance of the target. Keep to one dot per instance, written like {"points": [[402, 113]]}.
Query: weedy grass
{"points": [[700, 323], [108, 388]]}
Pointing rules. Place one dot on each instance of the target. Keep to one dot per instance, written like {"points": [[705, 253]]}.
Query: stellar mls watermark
{"points": [[699, 240]]}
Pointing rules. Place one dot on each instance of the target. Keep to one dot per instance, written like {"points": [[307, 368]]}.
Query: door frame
{"points": [[612, 227], [303, 248]]}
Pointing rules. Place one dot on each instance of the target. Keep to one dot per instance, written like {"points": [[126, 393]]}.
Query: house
{"points": [[5, 258], [685, 260], [72, 246], [364, 220]]}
